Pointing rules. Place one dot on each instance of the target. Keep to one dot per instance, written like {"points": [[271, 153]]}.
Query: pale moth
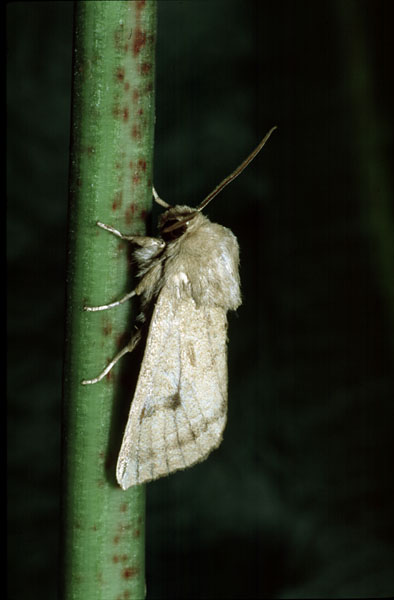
{"points": [[189, 278]]}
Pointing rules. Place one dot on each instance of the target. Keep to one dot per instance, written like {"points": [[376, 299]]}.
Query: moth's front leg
{"points": [[152, 245], [155, 244]]}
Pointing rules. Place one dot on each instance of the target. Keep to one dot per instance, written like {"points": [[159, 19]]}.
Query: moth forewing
{"points": [[178, 412]]}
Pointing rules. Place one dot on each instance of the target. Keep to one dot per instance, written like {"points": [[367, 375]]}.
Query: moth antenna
{"points": [[159, 200], [237, 171], [223, 184]]}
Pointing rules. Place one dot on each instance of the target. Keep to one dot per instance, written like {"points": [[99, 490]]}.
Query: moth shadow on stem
{"points": [[126, 372]]}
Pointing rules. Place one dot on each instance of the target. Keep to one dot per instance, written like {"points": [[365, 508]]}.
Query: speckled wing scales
{"points": [[179, 408]]}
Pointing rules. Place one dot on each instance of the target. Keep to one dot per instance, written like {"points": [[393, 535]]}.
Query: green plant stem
{"points": [[110, 181]]}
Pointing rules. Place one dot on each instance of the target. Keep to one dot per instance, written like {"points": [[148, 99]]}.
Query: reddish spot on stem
{"points": [[136, 132], [136, 533], [90, 150], [136, 179], [142, 164], [117, 201], [130, 572], [109, 376], [140, 4], [136, 95], [122, 558], [120, 74], [126, 86], [129, 214], [116, 539], [143, 214], [145, 68], [123, 507], [107, 329], [140, 111], [125, 114], [139, 41]]}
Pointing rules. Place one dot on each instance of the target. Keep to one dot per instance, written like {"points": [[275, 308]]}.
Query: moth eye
{"points": [[175, 233]]}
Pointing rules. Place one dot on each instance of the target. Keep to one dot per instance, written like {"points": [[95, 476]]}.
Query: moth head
{"points": [[174, 223], [177, 220]]}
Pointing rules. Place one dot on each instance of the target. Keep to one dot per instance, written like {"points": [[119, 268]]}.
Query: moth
{"points": [[188, 280]]}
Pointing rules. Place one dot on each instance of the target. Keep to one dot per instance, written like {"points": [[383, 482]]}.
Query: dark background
{"points": [[298, 500]]}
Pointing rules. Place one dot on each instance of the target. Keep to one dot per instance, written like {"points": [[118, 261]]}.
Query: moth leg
{"points": [[128, 348], [141, 240], [153, 245], [111, 304]]}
